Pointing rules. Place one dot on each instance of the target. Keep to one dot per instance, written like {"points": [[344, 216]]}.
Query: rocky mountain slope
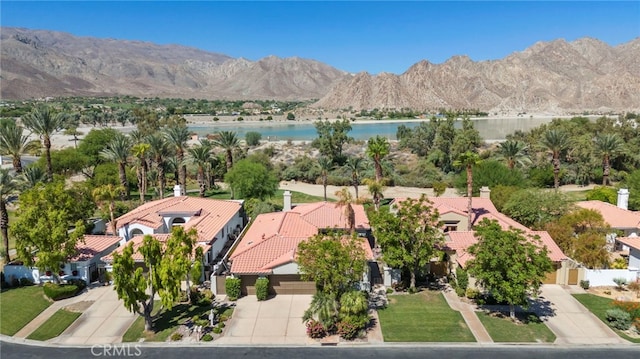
{"points": [[548, 77], [551, 77], [37, 63]]}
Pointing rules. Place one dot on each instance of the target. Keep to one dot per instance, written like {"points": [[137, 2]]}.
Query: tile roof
{"points": [[616, 217], [209, 216], [92, 246], [137, 242], [633, 242], [273, 238]]}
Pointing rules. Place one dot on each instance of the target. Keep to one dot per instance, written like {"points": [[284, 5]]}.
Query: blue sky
{"points": [[352, 36]]}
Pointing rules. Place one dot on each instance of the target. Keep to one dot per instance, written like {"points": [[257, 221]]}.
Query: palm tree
{"points": [[228, 141], [118, 151], [514, 152], [346, 200], [377, 148], [177, 136], [33, 175], [109, 193], [43, 122], [556, 141], [159, 151], [200, 156], [9, 185], [15, 143], [468, 160], [355, 165], [375, 189], [326, 165], [141, 151], [608, 145], [324, 306]]}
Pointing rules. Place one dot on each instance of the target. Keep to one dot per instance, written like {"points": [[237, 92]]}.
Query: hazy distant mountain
{"points": [[36, 63], [551, 77]]}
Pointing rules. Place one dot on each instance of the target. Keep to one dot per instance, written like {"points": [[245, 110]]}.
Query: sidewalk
{"points": [[469, 315]]}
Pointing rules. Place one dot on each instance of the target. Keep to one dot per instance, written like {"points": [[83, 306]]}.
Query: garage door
{"points": [[551, 278], [291, 284]]}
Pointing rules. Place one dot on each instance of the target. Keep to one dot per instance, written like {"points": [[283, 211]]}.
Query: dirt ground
{"points": [[613, 292]]}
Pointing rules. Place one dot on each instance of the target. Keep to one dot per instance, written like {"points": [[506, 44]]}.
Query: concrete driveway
{"points": [[104, 322], [570, 321], [277, 320]]}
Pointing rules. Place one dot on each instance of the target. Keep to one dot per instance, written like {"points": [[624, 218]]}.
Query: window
{"points": [[136, 232], [178, 221], [450, 226]]}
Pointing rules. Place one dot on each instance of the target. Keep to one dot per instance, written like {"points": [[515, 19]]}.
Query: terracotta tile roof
{"points": [[92, 246], [633, 242], [273, 238], [137, 242], [616, 217], [209, 216]]}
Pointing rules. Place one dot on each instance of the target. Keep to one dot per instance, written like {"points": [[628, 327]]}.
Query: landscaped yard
{"points": [[422, 317], [599, 306], [503, 329], [55, 325], [19, 306]]}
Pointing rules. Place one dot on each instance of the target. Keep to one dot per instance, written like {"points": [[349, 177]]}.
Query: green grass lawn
{"points": [[503, 329], [599, 306], [19, 306], [55, 325], [422, 317]]}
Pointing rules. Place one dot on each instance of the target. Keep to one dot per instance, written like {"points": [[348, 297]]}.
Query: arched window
{"points": [[178, 221], [136, 232]]}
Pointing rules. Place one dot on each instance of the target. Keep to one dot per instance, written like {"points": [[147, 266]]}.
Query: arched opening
{"points": [[136, 232], [178, 221]]}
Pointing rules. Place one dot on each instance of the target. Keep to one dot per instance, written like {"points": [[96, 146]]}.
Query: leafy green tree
{"points": [[535, 208], [409, 238], [467, 160], [46, 212], [15, 143], [177, 137], [441, 154], [291, 116], [355, 165], [108, 194], [200, 155], [66, 162], [118, 151], [182, 258], [333, 261], [249, 179], [253, 138], [514, 153], [228, 141], [332, 136], [44, 123], [9, 186], [556, 141], [490, 173], [521, 268], [377, 148], [609, 146], [326, 165], [500, 195], [632, 182], [94, 142], [604, 194]]}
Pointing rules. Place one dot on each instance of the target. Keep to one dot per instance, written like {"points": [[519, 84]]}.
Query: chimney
{"points": [[287, 201], [485, 192], [177, 191], [623, 198]]}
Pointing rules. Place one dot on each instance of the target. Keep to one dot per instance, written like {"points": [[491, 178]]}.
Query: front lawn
{"points": [[19, 306], [599, 306], [55, 325], [422, 317], [530, 329]]}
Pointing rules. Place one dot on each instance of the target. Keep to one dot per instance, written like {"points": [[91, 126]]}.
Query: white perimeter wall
{"points": [[604, 277]]}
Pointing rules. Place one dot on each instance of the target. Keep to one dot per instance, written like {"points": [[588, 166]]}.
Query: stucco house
{"points": [[268, 248]]}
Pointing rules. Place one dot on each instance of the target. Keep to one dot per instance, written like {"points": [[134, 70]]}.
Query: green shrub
{"points": [[262, 288], [584, 284], [202, 322], [59, 291], [462, 278], [620, 282], [253, 138], [315, 329], [207, 338], [176, 337], [217, 330], [223, 318], [472, 293], [460, 292], [618, 318], [81, 284], [232, 287], [348, 330], [25, 282], [389, 290], [221, 325]]}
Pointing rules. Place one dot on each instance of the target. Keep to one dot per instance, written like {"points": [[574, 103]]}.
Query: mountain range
{"points": [[548, 77]]}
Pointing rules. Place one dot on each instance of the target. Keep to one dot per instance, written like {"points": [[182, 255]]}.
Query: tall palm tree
{"points": [[141, 151], [14, 142], [377, 148], [608, 145], [177, 136], [109, 193], [467, 160], [228, 140], [159, 152], [9, 185], [33, 175], [355, 165], [514, 152], [376, 190], [556, 141], [118, 151], [200, 156], [346, 200], [326, 165], [44, 122]]}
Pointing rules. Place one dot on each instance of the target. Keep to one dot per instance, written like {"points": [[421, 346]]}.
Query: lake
{"points": [[491, 129]]}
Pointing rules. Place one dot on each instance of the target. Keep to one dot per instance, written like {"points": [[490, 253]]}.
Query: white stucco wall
{"points": [[604, 277], [634, 258], [289, 268]]}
